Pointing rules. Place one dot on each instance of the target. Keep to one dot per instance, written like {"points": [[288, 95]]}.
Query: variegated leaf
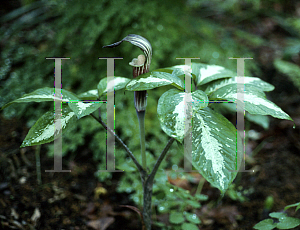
{"points": [[230, 107], [118, 83], [153, 80], [253, 81], [207, 73], [44, 94], [171, 107], [202, 73], [82, 109], [255, 101], [214, 150], [43, 131], [177, 70], [89, 95]]}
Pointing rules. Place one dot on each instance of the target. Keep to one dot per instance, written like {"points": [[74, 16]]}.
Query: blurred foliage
{"points": [[289, 69], [213, 30]]}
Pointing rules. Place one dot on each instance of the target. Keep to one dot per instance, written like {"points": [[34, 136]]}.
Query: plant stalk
{"points": [[38, 164], [148, 186], [141, 118], [147, 180]]}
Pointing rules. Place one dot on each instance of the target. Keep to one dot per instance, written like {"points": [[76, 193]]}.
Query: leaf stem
{"points": [[147, 180], [141, 118], [160, 159], [140, 168]]}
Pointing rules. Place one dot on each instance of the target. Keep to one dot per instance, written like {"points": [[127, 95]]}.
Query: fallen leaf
{"points": [[99, 191], [101, 224], [14, 214], [36, 215]]}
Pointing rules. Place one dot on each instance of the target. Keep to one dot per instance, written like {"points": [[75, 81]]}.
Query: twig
{"points": [[138, 212], [140, 168], [160, 159]]}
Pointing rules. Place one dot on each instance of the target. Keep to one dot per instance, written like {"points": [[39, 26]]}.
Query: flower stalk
{"points": [[140, 102], [139, 67]]}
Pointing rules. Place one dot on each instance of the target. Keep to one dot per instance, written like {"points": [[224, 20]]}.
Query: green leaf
{"points": [[193, 218], [21, 10], [234, 194], [253, 81], [261, 120], [83, 109], [202, 73], [293, 205], [43, 94], [277, 215], [269, 202], [183, 194], [176, 218], [289, 69], [201, 197], [288, 223], [193, 203], [285, 222], [266, 224], [89, 95], [164, 207], [229, 107], [177, 70], [119, 83], [214, 137], [43, 131], [153, 80], [170, 110], [189, 226], [255, 101], [167, 69], [125, 166], [215, 141], [207, 73]]}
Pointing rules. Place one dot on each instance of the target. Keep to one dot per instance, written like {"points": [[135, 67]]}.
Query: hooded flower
{"points": [[140, 65]]}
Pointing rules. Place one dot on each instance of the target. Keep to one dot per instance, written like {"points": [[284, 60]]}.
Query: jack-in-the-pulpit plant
{"points": [[214, 138]]}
